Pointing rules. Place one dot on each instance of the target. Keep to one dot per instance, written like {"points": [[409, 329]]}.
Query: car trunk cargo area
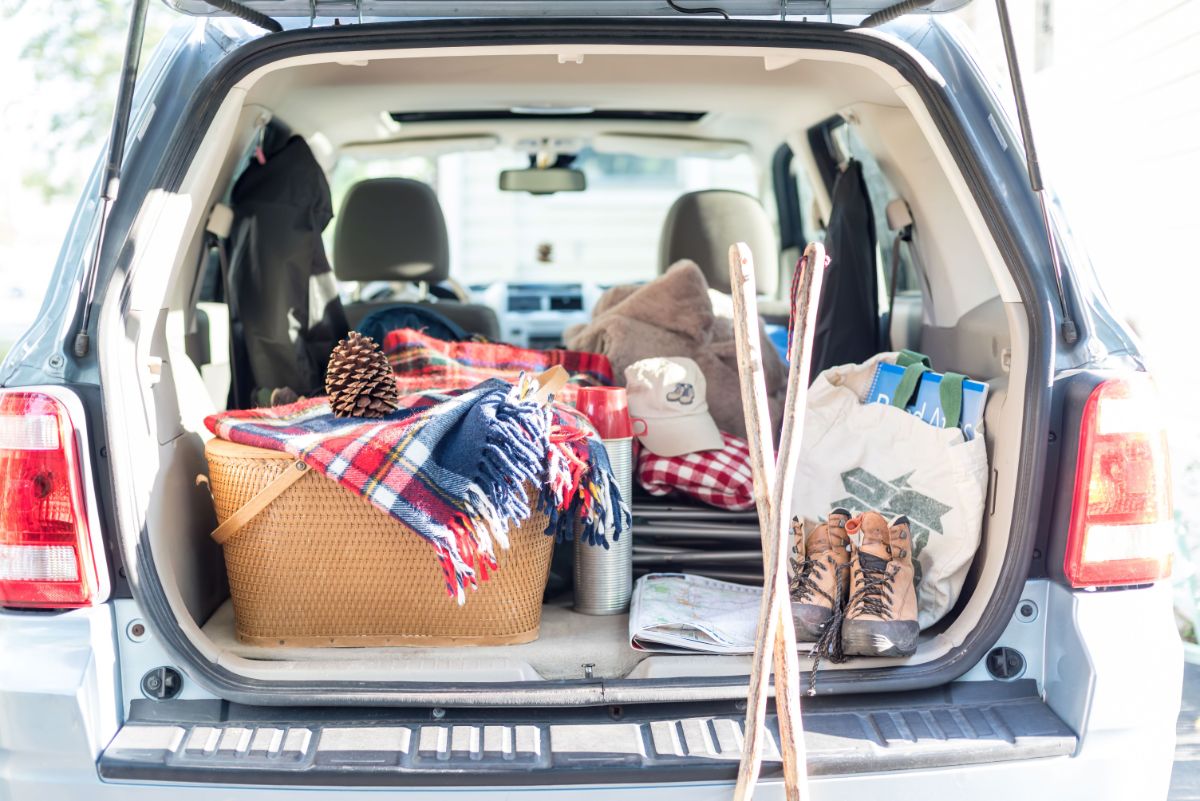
{"points": [[570, 645], [962, 309]]}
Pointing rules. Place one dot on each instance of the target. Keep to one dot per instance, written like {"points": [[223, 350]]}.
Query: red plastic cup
{"points": [[608, 409]]}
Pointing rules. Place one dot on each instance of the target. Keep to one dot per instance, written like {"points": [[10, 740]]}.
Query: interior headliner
{"points": [[758, 96], [348, 101]]}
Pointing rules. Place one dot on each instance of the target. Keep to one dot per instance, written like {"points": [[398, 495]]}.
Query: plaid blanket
{"points": [[452, 466], [421, 362], [720, 478]]}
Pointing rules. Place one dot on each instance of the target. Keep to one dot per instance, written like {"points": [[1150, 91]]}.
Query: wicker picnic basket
{"points": [[310, 564]]}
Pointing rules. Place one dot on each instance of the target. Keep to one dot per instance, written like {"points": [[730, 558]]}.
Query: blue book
{"points": [[778, 336], [927, 404]]}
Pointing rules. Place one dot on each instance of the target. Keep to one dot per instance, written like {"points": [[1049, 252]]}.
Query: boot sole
{"points": [[879, 637]]}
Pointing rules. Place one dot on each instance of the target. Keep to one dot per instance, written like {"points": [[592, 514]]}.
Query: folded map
{"points": [[682, 613]]}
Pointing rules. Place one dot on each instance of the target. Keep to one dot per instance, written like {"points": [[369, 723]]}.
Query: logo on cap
{"points": [[683, 394]]}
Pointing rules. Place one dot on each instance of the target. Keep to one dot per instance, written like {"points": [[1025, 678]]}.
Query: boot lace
{"points": [[873, 595], [806, 578], [829, 644]]}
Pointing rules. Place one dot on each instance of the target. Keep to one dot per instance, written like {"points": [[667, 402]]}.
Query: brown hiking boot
{"points": [[818, 584], [881, 612]]}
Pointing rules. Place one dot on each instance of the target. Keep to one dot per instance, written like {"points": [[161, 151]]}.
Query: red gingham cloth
{"points": [[719, 478]]}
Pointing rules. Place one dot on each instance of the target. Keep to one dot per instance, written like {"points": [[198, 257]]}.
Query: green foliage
{"points": [[76, 49]]}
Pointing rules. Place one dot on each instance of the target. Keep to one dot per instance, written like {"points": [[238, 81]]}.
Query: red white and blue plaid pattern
{"points": [[451, 466], [720, 478], [421, 361]]}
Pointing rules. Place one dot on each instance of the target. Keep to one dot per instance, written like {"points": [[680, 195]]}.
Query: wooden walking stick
{"points": [[772, 631], [775, 641]]}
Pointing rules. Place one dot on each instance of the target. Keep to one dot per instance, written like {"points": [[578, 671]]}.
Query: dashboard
{"points": [[535, 315]]}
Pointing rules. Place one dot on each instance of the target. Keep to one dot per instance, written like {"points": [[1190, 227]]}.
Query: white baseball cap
{"points": [[671, 397]]}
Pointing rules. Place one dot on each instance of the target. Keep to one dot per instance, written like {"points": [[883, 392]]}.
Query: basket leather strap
{"points": [[550, 382], [236, 521]]}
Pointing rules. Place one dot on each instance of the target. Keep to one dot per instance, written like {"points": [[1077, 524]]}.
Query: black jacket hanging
{"points": [[283, 296], [848, 321]]}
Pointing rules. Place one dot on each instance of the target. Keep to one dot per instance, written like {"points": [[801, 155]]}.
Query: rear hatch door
{"points": [[550, 8]]}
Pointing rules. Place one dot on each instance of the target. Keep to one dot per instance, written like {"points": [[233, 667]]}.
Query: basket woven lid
{"points": [[235, 450]]}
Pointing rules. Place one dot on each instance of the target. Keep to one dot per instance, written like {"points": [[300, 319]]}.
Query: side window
{"points": [[799, 219], [810, 218]]}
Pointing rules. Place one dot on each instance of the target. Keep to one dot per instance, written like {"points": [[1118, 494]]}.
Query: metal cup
{"points": [[604, 576]]}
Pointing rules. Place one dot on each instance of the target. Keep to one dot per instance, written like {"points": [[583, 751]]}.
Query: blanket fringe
{"points": [[530, 442], [581, 491], [515, 452]]}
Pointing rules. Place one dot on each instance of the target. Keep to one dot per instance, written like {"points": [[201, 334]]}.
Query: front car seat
{"points": [[392, 229]]}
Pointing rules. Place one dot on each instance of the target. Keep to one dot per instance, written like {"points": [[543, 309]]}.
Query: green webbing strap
{"points": [[915, 365], [950, 392], [910, 357], [909, 382]]}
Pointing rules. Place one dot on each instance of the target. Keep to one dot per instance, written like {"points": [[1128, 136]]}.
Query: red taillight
{"points": [[1121, 525], [46, 556]]}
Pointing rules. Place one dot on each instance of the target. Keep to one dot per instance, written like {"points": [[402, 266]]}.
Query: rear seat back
{"points": [[392, 229], [702, 225]]}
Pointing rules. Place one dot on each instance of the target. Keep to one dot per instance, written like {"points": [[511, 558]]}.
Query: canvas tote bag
{"points": [[871, 456]]}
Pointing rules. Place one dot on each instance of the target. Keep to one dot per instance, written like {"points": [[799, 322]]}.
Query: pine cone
{"points": [[359, 380]]}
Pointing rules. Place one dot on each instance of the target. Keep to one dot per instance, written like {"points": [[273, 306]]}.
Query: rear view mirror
{"points": [[543, 182]]}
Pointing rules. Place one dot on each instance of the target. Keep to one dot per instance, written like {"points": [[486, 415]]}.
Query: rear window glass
{"points": [[606, 234]]}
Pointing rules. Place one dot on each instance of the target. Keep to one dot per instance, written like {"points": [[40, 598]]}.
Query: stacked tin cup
{"points": [[604, 576]]}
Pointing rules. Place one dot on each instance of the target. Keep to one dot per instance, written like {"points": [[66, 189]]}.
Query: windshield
{"points": [[606, 234]]}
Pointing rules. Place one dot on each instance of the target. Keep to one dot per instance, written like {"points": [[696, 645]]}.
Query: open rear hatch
{"points": [[958, 724], [546, 8]]}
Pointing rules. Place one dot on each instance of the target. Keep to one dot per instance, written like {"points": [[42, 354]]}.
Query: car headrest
{"points": [[391, 229], [899, 215], [702, 225]]}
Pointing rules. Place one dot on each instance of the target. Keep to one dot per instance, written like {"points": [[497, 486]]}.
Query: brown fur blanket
{"points": [[675, 315]]}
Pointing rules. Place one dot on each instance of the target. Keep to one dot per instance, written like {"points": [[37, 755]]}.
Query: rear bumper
{"points": [[1112, 671], [1108, 770], [961, 725], [60, 703]]}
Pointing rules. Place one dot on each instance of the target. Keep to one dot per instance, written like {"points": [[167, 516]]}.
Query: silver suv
{"points": [[1056, 674]]}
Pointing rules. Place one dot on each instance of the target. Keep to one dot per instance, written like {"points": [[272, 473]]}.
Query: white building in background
{"points": [[1115, 96]]}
